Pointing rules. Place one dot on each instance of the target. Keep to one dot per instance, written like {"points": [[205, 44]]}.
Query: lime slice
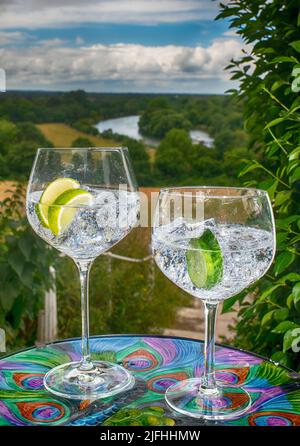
{"points": [[65, 207], [205, 260], [52, 191]]}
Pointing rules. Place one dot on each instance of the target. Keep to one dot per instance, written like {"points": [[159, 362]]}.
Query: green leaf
{"points": [[27, 274], [280, 357], [25, 245], [294, 109], [296, 175], [284, 326], [282, 197], [8, 295], [283, 261], [274, 122], [296, 45], [16, 261], [249, 168], [292, 277], [281, 314], [296, 293], [283, 59], [285, 223], [294, 154], [290, 301], [272, 189], [267, 317], [248, 312], [278, 84], [281, 238], [269, 291], [228, 303], [237, 75]]}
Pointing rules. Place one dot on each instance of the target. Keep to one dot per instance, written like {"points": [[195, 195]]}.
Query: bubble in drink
{"points": [[95, 227], [246, 255]]}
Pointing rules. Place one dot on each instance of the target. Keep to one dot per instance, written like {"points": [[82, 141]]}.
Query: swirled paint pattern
{"points": [[156, 363]]}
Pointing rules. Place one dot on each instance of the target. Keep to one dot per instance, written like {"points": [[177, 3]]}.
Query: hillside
{"points": [[62, 135]]}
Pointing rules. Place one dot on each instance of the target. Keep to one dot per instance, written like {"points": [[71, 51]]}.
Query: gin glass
{"points": [[213, 242], [82, 202]]}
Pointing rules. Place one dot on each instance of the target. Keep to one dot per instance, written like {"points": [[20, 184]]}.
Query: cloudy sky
{"points": [[116, 45]]}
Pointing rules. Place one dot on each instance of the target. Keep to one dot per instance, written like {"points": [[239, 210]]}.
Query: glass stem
{"points": [[84, 271], [209, 385]]}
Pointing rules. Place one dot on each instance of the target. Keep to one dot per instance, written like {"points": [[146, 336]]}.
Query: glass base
{"points": [[227, 403], [104, 379]]}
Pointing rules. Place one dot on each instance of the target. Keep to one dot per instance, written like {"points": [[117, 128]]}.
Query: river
{"points": [[128, 126]]}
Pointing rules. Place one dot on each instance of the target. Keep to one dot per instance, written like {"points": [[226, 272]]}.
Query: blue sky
{"points": [[185, 33], [116, 45]]}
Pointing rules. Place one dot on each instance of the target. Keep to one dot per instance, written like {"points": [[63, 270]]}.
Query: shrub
{"points": [[82, 142], [24, 269], [272, 110]]}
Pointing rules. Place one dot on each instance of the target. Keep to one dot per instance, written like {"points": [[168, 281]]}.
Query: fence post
{"points": [[47, 318]]}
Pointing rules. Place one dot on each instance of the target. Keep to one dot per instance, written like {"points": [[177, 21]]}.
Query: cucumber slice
{"points": [[205, 261]]}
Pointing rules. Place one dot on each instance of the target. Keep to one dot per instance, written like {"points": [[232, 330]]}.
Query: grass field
{"points": [[62, 135]]}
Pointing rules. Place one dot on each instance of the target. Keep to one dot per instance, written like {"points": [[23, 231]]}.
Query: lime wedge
{"points": [[205, 260], [65, 207], [52, 191]]}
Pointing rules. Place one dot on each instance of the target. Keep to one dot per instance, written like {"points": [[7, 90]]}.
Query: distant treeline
{"points": [[220, 116], [167, 117]]}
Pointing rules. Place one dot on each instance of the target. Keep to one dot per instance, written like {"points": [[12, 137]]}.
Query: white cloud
{"points": [[41, 13], [56, 42], [131, 63], [11, 37]]}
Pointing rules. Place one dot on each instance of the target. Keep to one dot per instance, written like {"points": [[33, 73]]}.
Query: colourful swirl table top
{"points": [[156, 362]]}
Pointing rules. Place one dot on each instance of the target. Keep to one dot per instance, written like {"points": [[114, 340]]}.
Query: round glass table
{"points": [[156, 362]]}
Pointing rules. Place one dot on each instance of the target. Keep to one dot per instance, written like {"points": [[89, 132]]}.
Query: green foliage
{"points": [[24, 266], [179, 162], [140, 161], [220, 116], [138, 155], [82, 142], [124, 297], [174, 156], [87, 125], [76, 108], [159, 118], [18, 144], [272, 112]]}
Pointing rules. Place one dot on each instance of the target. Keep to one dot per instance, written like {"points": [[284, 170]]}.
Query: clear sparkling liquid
{"points": [[95, 228], [247, 254]]}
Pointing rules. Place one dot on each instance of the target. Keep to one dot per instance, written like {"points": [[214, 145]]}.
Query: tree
{"points": [[140, 161], [82, 142], [18, 145], [173, 157], [272, 112], [158, 122]]}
